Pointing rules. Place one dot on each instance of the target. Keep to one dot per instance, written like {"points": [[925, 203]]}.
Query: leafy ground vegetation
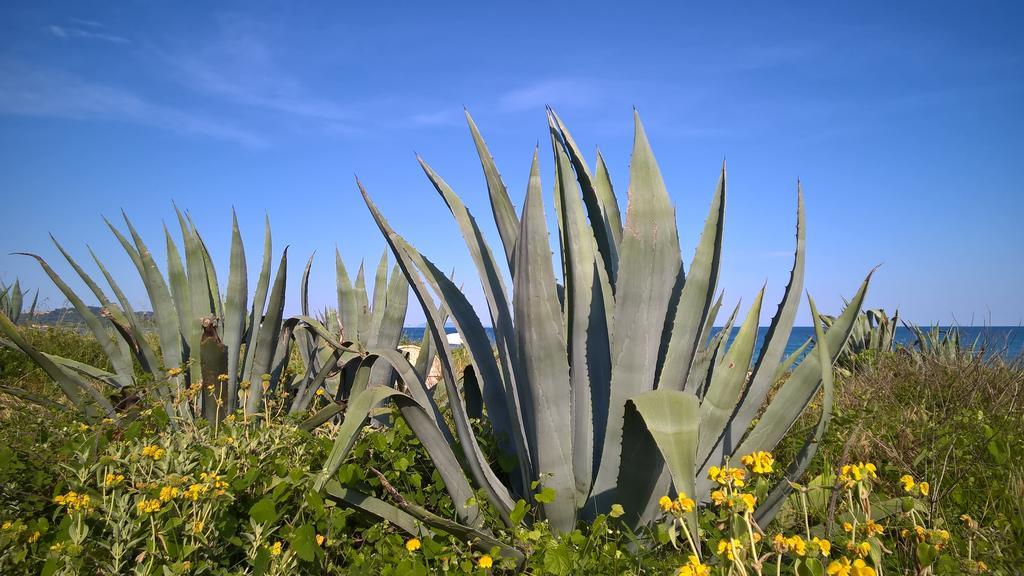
{"points": [[919, 473]]}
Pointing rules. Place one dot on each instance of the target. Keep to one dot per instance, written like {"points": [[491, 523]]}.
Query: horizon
{"points": [[902, 123]]}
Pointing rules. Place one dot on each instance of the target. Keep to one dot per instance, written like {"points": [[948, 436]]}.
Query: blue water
{"points": [[1004, 341]]}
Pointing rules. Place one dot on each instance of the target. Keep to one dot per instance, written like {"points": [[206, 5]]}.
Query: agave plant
{"points": [[12, 301], [606, 388], [874, 330], [938, 343], [212, 354]]}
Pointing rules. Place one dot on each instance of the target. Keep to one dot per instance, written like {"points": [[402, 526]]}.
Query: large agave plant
{"points": [[607, 387], [214, 354]]}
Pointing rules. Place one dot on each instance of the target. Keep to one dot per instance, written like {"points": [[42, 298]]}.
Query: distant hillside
{"points": [[69, 317]]}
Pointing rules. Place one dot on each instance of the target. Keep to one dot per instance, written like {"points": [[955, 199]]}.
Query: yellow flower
{"points": [[729, 547], [718, 497], [174, 372], [749, 500], [666, 503], [908, 482], [222, 378], [759, 462], [34, 537], [840, 567], [727, 476], [863, 549], [685, 504], [694, 567], [113, 479], [823, 545], [275, 550], [860, 568], [320, 539], [83, 427], [7, 525], [872, 528], [797, 545], [319, 391], [413, 544], [73, 500], [485, 561], [154, 452], [148, 506], [197, 527], [779, 544], [924, 488], [847, 527], [168, 493], [195, 492]]}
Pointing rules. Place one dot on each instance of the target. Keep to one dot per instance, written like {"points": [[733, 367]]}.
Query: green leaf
{"points": [[557, 561], [648, 266], [264, 511], [504, 213], [303, 541], [673, 419], [542, 356]]}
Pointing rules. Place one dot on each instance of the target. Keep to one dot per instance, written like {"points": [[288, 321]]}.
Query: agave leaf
{"points": [[728, 380], [380, 298], [597, 211], [789, 402], [146, 355], [347, 311], [606, 195], [648, 266], [259, 300], [771, 351], [494, 293], [696, 298], [321, 416], [480, 471], [17, 299], [545, 370], [168, 328], [70, 385], [504, 213], [389, 333], [796, 469], [589, 306], [362, 307], [706, 360], [377, 508], [180, 291], [673, 419], [269, 330], [505, 423], [118, 358], [421, 422], [235, 312], [33, 398], [215, 364]]}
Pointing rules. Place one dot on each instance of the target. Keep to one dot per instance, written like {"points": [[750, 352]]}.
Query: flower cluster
{"points": [[759, 462], [726, 476], [74, 501], [910, 486], [153, 452], [852, 474]]}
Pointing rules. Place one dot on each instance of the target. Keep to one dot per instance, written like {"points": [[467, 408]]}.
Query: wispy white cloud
{"points": [[31, 91], [447, 117], [240, 66], [97, 34], [566, 92]]}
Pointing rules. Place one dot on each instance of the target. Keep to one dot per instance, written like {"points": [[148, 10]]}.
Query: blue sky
{"points": [[903, 121]]}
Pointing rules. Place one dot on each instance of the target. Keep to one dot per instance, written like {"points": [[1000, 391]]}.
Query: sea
{"points": [[1006, 342]]}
